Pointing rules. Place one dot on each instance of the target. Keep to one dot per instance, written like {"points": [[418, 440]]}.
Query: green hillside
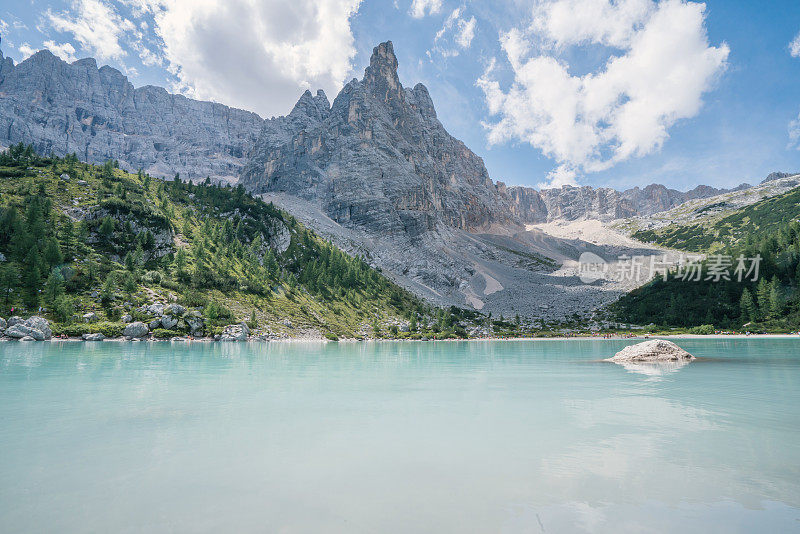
{"points": [[78, 238], [745, 226], [769, 229]]}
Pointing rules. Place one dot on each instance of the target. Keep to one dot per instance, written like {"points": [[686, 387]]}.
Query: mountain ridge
{"points": [[375, 168]]}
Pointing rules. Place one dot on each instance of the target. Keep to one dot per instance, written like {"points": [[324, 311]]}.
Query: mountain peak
{"points": [[381, 75]]}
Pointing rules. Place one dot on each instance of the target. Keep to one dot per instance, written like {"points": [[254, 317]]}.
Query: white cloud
{"points": [[26, 51], [560, 176], [624, 109], [65, 51], [420, 8], [255, 54], [95, 25], [794, 46], [794, 133], [455, 34], [466, 32]]}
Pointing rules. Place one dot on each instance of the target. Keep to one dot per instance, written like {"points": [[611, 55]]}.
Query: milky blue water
{"points": [[397, 437]]}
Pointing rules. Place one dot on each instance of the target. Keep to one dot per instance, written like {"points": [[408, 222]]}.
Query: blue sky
{"points": [[592, 92]]}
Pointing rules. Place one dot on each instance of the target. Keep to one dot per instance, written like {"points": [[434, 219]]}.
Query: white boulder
{"points": [[36, 327], [235, 332], [654, 350], [89, 317], [136, 329], [21, 330], [169, 322], [40, 324], [94, 337]]}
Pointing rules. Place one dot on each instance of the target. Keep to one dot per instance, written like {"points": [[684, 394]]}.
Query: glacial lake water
{"points": [[503, 436]]}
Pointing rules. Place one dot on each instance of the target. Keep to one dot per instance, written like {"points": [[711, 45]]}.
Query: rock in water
{"points": [[93, 337], [655, 350]]}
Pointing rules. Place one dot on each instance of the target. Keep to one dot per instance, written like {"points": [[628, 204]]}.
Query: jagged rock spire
{"points": [[380, 77]]}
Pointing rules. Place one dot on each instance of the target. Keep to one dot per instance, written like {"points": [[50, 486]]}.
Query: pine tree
{"points": [[774, 297], [108, 289], [53, 288], [106, 229], [9, 278], [762, 297], [52, 253], [31, 279], [749, 312]]}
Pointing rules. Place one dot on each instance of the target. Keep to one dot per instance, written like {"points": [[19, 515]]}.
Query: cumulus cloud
{"points": [[26, 50], [420, 8], [65, 51], [659, 65], [95, 25], [254, 54], [794, 46], [456, 34]]}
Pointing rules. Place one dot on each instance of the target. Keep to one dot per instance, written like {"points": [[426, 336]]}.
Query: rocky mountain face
{"points": [[97, 113], [378, 158], [572, 203]]}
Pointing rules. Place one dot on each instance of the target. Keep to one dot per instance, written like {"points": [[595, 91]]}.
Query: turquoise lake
{"points": [[502, 436]]}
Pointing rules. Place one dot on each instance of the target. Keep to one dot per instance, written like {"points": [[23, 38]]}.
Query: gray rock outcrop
{"points": [[95, 112], [235, 332], [653, 351], [93, 337], [169, 322], [136, 330], [3, 324], [41, 324], [175, 309], [20, 330], [36, 327], [377, 159]]}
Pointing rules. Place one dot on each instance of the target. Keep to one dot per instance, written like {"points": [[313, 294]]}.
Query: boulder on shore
{"points": [[136, 329], [3, 324], [35, 327], [655, 350], [235, 332], [93, 337]]}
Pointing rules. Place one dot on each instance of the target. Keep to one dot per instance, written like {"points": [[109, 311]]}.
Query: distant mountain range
{"points": [[375, 170]]}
